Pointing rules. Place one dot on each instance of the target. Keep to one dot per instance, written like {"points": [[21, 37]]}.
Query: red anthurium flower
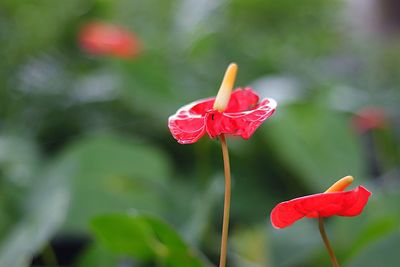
{"points": [[241, 115], [334, 201], [100, 38], [238, 113]]}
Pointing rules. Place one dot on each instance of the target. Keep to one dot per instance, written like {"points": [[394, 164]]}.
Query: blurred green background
{"points": [[90, 175]]}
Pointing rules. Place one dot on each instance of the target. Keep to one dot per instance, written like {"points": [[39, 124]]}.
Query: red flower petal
{"points": [[187, 124], [242, 100], [348, 203], [242, 117], [242, 123]]}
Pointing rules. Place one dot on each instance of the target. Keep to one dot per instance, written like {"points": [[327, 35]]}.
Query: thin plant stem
{"points": [[326, 242], [227, 201]]}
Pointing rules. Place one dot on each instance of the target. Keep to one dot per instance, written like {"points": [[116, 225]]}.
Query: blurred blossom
{"points": [[369, 118], [98, 38]]}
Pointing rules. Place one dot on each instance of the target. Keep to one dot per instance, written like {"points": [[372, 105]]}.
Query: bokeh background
{"points": [[90, 175]]}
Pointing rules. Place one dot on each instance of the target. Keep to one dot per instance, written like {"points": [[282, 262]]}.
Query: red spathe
{"points": [[243, 115], [346, 203]]}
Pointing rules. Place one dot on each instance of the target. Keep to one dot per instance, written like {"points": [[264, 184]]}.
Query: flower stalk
{"points": [[220, 104], [339, 186], [227, 201], [326, 242]]}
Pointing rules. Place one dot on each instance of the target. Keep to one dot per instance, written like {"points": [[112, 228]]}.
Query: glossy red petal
{"points": [[348, 203], [187, 124], [242, 100], [242, 123], [242, 117]]}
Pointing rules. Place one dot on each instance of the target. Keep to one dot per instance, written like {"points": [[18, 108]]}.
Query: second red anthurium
{"points": [[333, 201]]}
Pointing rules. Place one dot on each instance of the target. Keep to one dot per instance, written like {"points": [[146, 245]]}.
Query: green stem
{"points": [[326, 242], [227, 201]]}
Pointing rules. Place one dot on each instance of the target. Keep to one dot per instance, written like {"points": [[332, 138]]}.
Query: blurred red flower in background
{"points": [[99, 38], [332, 202], [369, 118], [242, 116]]}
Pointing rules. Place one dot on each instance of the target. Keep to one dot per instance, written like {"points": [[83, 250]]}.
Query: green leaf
{"points": [[294, 246], [204, 205], [115, 174], [19, 166], [149, 87], [143, 237], [384, 252], [97, 256], [250, 247], [19, 159], [316, 143], [46, 208], [122, 234], [352, 236]]}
